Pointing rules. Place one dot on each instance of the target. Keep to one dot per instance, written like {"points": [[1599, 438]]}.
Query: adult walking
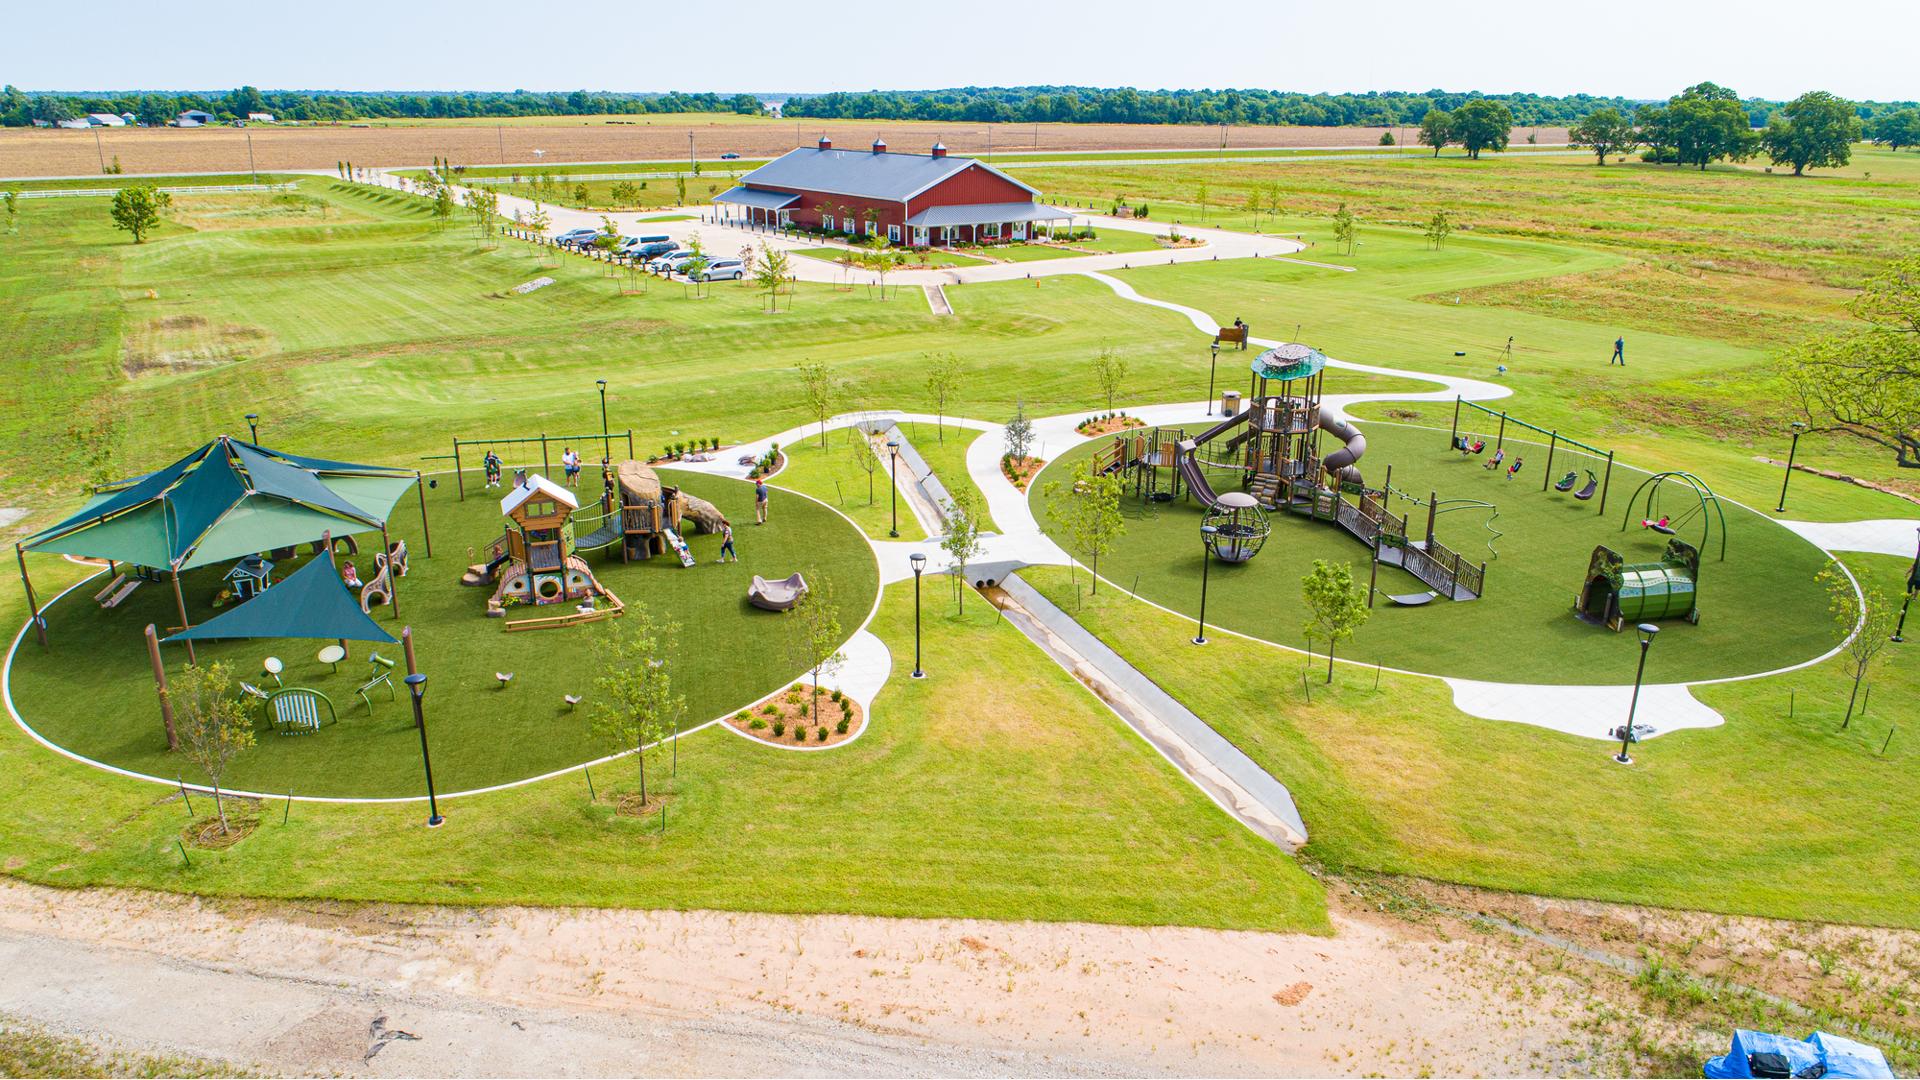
{"points": [[759, 502], [727, 554], [1619, 352]]}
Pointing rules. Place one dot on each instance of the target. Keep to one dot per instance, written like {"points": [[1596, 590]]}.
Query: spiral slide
{"points": [[1340, 463]]}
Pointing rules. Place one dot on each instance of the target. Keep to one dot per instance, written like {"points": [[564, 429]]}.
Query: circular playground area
{"points": [[92, 690], [1759, 609]]}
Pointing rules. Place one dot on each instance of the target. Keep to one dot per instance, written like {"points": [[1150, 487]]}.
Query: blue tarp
{"points": [[1820, 1054]]}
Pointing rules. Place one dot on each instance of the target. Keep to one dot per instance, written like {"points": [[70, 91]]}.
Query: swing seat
{"points": [[1586, 493], [1412, 599], [1566, 482], [1660, 526], [1480, 446]]}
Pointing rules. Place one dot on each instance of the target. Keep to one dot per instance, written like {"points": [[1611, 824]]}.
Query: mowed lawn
{"points": [[996, 788], [1760, 608], [834, 471], [1737, 818], [92, 690]]}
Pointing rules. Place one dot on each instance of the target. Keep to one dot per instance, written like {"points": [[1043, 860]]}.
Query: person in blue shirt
{"points": [[759, 502], [1619, 352]]}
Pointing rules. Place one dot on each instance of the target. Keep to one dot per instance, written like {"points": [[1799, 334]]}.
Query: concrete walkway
{"points": [[1215, 765], [1884, 536]]}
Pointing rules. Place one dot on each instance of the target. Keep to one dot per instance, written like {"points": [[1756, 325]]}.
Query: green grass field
{"points": [[835, 475], [1760, 609], [1736, 818], [92, 690]]}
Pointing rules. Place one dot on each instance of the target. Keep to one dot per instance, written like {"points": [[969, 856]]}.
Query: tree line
{"points": [[1126, 105], [1706, 123], [19, 108]]}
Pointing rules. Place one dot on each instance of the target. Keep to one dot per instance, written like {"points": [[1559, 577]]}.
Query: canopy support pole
{"points": [[419, 487], [160, 684], [393, 572], [33, 605], [180, 601]]}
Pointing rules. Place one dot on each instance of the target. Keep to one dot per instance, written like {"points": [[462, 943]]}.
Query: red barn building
{"points": [[917, 199]]}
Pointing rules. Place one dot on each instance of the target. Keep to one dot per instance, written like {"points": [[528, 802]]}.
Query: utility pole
{"points": [[500, 131], [255, 172], [100, 150]]}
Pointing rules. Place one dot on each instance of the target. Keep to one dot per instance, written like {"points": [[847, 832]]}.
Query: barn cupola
{"points": [[826, 143], [939, 149], [879, 145]]}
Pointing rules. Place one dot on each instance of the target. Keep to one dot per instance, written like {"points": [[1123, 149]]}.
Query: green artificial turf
{"points": [[1737, 818], [1760, 609], [995, 788], [92, 691]]}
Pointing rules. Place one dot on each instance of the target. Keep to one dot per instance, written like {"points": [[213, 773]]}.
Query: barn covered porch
{"points": [[943, 226], [758, 206]]}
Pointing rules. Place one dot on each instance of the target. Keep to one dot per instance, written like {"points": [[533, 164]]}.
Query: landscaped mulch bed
{"points": [[787, 719], [1020, 473], [1107, 425]]}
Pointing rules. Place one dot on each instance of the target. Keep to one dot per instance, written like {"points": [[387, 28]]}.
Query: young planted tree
{"points": [[1110, 372], [680, 191], [1816, 130], [484, 204], [818, 389], [870, 216], [12, 201], [443, 205], [1087, 506], [813, 633], [1343, 228], [1439, 227], [1866, 383], [962, 541], [210, 719], [537, 223], [1254, 205], [1019, 435], [582, 196], [1436, 130], [1337, 606], [770, 274], [1200, 193], [866, 461], [624, 193], [823, 210], [1604, 131], [693, 269], [636, 705], [1875, 623], [945, 376], [136, 210]]}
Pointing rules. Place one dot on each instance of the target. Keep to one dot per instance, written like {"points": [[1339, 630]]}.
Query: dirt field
{"points": [[44, 152]]}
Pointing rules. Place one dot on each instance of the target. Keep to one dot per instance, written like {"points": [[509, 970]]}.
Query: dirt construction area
{"points": [[27, 152]]}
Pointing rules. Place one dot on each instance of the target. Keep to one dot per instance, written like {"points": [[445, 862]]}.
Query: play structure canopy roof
{"points": [[541, 485], [311, 603], [227, 499], [1285, 363]]}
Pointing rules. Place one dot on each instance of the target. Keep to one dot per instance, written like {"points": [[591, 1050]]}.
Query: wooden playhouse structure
{"points": [[537, 561]]}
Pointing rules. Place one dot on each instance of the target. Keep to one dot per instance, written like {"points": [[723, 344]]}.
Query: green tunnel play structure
{"points": [[1616, 593]]}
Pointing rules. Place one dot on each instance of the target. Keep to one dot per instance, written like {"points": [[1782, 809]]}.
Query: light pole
{"points": [[1647, 631], [893, 457], [417, 686], [1207, 534], [1913, 586], [253, 427], [1792, 449], [919, 562], [606, 442], [1211, 364]]}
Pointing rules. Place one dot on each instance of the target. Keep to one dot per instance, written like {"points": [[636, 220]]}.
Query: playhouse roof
{"points": [[537, 484], [311, 603], [227, 499]]}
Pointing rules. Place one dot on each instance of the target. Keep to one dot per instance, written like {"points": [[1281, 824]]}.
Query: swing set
{"points": [[1470, 443], [1668, 524]]}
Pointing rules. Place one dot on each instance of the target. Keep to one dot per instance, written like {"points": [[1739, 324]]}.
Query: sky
{"points": [[1635, 48]]}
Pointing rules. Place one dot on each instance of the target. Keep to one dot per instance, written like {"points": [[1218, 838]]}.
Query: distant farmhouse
{"points": [[192, 118], [105, 119], [917, 199], [261, 118]]}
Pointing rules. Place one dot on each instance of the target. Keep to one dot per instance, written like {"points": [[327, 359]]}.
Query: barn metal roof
{"points": [[863, 173], [987, 214], [763, 200]]}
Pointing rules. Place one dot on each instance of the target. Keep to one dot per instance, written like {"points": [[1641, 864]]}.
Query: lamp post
{"points": [[1207, 534], [919, 562], [1913, 586], [417, 686], [1647, 631], [1212, 363], [253, 427], [893, 457], [1792, 449], [606, 442]]}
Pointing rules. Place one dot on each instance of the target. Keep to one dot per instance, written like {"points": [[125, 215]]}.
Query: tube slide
{"points": [[1340, 463]]}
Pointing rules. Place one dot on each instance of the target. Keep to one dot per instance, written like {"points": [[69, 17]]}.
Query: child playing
{"points": [[727, 554], [492, 463], [1515, 467]]}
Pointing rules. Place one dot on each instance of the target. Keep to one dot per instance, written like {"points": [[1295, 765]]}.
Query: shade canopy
{"points": [[311, 603], [227, 499]]}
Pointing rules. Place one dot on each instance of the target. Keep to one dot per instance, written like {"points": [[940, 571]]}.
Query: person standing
{"points": [[727, 553], [1619, 352], [570, 461], [759, 502]]}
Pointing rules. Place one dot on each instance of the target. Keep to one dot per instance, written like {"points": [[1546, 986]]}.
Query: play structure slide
{"points": [[1341, 463], [1189, 461], [679, 546]]}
